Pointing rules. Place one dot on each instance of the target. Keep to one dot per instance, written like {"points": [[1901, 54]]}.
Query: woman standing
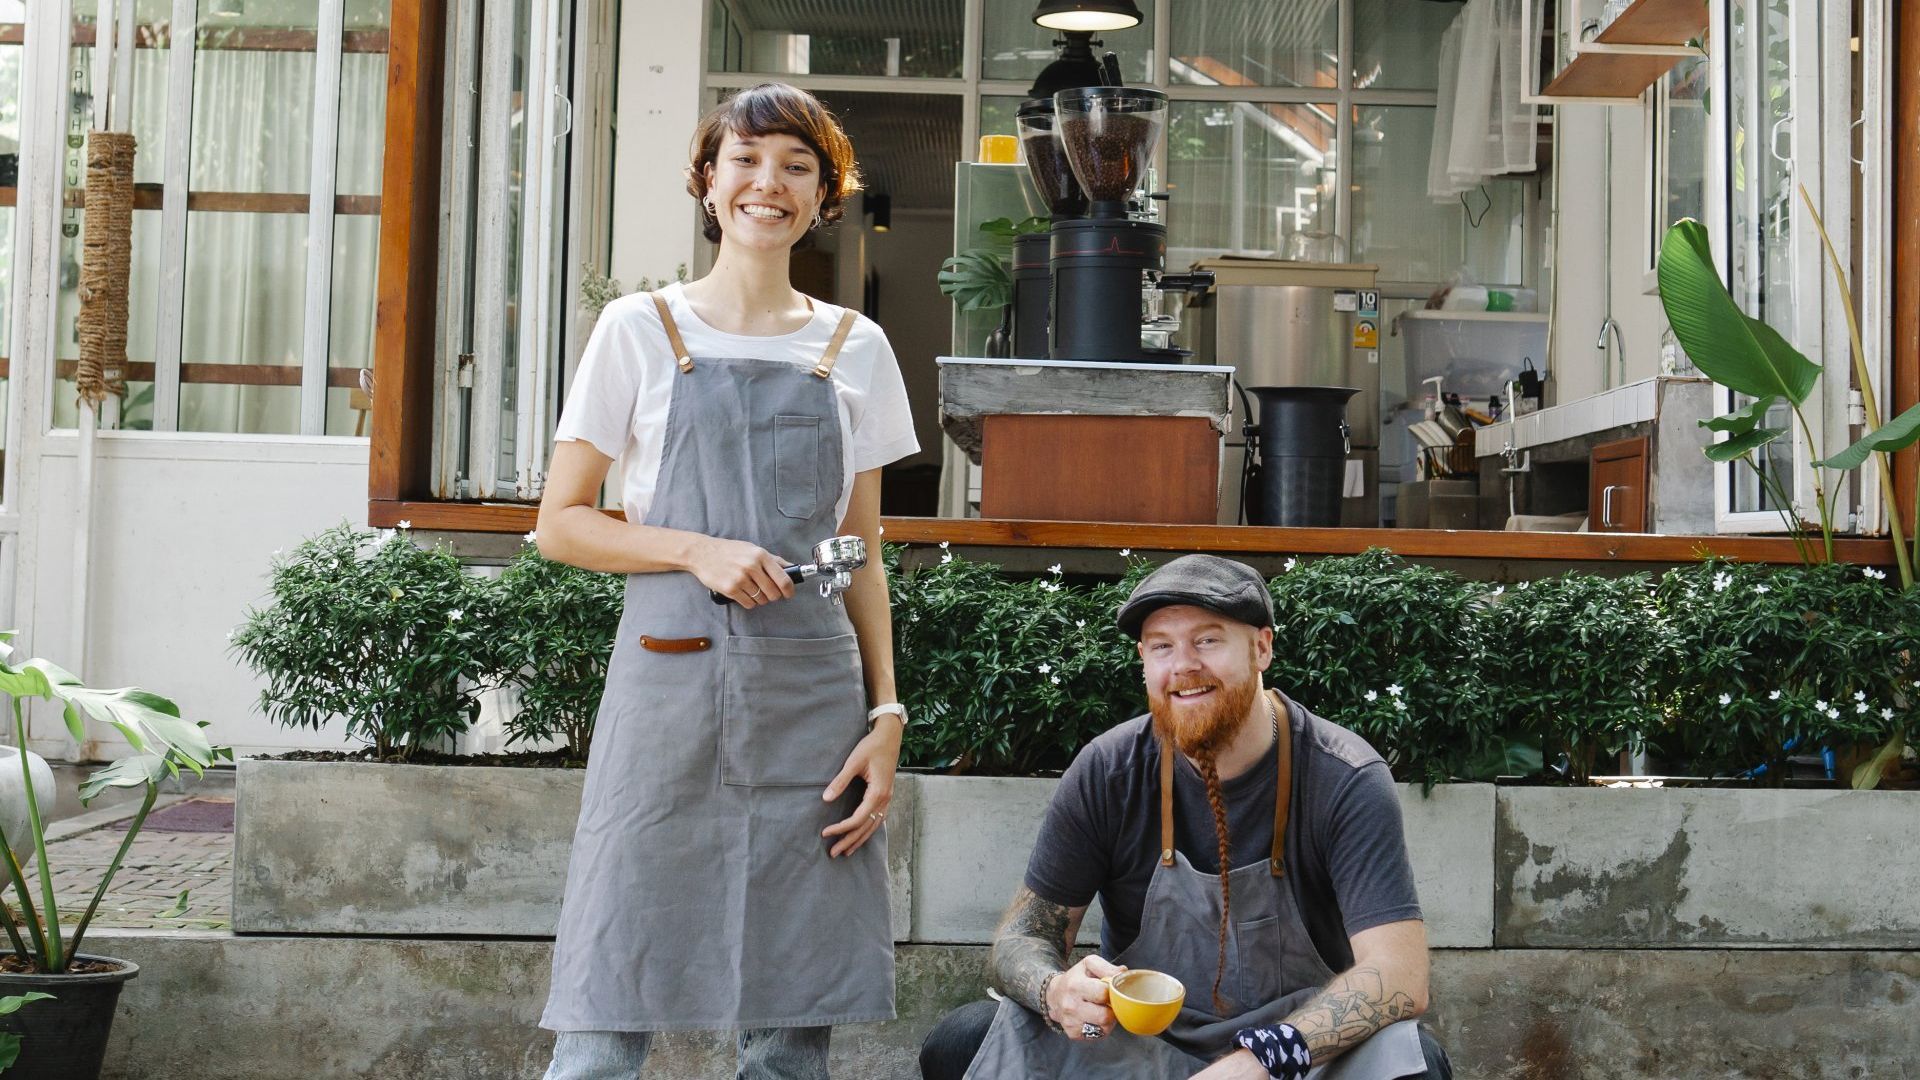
{"points": [[722, 873]]}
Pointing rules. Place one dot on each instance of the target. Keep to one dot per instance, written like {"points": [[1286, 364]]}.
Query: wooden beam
{"points": [[1241, 539], [404, 318], [1905, 146]]}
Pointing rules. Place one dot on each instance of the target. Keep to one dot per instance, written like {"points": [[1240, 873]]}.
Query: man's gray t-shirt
{"points": [[1346, 850]]}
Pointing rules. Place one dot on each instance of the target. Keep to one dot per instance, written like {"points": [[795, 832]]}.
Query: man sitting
{"points": [[1308, 952]]}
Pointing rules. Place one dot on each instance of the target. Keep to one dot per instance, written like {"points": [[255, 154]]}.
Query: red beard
{"points": [[1202, 733]]}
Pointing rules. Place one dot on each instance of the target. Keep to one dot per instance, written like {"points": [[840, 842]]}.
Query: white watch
{"points": [[893, 707]]}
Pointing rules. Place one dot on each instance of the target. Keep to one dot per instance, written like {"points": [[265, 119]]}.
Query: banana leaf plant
{"points": [[162, 744], [1749, 357]]}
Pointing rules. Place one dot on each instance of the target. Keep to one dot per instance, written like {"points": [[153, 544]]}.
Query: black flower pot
{"points": [[66, 1038]]}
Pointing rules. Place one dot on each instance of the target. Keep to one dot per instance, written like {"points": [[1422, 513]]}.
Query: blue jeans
{"points": [[798, 1053]]}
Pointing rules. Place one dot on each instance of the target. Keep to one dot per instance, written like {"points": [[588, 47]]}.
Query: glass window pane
{"points": [[1683, 146], [1396, 43], [997, 116], [253, 99], [1243, 177], [1411, 237], [150, 82], [356, 224], [1256, 43], [1012, 47], [241, 334], [836, 37]]}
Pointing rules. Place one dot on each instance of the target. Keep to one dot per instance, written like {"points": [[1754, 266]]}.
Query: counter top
{"points": [[1634, 403], [971, 388]]}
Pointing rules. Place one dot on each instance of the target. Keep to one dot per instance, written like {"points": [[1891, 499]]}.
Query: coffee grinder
{"points": [[1107, 267], [1033, 252]]}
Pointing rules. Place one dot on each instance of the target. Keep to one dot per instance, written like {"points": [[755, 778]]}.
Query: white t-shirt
{"points": [[618, 402]]}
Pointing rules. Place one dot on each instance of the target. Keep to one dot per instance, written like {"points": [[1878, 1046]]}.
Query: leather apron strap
{"points": [[1283, 797], [824, 368], [680, 354]]}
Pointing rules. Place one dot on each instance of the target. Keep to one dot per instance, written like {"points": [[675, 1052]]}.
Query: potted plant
{"points": [[67, 1036], [555, 630]]}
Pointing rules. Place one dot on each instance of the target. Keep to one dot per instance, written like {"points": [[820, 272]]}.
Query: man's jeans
{"points": [[764, 1054]]}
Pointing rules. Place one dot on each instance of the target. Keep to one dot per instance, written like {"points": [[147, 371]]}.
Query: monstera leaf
{"points": [[1732, 349], [977, 278]]}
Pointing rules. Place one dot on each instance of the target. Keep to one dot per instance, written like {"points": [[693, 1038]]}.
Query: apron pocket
{"points": [[791, 711], [1259, 947], [796, 465]]}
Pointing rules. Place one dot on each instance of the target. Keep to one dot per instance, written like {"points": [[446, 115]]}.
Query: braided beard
{"points": [[1202, 738]]}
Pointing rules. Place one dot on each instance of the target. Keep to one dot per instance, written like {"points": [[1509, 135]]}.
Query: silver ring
{"points": [[877, 815], [1091, 1031]]}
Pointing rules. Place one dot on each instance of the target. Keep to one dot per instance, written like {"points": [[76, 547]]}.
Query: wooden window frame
{"points": [[401, 460]]}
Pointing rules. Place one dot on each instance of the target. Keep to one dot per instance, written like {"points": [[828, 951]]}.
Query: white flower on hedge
{"points": [[1054, 569], [1400, 704], [1287, 567], [456, 615], [1721, 581], [406, 523], [1819, 706], [1124, 552], [1833, 714], [1498, 589], [1394, 689], [943, 545], [1877, 575], [1056, 680], [1859, 695], [1045, 668], [1860, 707], [1079, 624], [946, 558], [1886, 714], [1373, 695], [1762, 588], [1726, 699], [531, 536], [1775, 696]]}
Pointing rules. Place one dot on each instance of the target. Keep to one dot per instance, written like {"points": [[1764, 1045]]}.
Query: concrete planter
{"points": [[362, 848], [1707, 868]]}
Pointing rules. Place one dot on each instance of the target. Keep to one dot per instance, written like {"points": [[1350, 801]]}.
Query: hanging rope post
{"points": [[105, 267]]}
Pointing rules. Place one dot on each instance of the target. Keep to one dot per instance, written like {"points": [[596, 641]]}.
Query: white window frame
{"points": [[49, 53], [1820, 70]]}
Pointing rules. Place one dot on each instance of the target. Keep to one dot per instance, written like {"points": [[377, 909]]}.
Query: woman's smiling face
{"points": [[765, 190]]}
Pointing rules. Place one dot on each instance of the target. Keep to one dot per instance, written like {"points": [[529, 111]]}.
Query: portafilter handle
{"points": [[834, 559]]}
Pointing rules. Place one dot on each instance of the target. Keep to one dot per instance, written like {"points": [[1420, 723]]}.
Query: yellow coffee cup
{"points": [[1145, 1002]]}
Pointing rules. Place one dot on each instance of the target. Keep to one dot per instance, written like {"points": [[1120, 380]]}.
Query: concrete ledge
{"points": [[1450, 841], [975, 835], [1707, 868], [219, 1007]]}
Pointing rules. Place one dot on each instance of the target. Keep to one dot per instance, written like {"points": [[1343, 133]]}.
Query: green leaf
{"points": [[11, 1005], [179, 907], [9, 1049], [1866, 775], [1734, 350], [134, 770], [1740, 445], [1896, 434], [975, 279], [1741, 421]]}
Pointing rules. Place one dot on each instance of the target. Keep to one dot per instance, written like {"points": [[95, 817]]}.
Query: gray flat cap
{"points": [[1233, 589]]}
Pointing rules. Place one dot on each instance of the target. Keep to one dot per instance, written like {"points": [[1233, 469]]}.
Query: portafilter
{"points": [[834, 561]]}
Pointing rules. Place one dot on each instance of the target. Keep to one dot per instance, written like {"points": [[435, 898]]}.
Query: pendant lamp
{"points": [[1087, 16]]}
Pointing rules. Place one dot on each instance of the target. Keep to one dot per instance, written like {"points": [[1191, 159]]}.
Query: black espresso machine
{"points": [[1089, 288]]}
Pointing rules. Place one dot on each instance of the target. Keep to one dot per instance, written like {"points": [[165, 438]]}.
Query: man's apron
{"points": [[700, 892], [1272, 969]]}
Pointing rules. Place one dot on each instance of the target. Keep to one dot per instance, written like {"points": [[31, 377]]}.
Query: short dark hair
{"points": [[777, 109]]}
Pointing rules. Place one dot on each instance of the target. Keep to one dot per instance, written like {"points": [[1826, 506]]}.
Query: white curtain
{"points": [[1481, 128]]}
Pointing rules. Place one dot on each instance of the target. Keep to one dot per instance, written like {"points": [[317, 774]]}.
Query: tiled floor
{"points": [[147, 888]]}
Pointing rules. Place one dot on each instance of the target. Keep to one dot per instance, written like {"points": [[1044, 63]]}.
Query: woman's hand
{"points": [[745, 573], [874, 761]]}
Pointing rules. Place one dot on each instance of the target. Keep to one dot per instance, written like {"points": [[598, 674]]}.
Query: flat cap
{"points": [[1233, 589]]}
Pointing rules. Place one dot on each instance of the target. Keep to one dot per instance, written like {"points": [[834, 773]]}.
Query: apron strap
{"points": [[1283, 795], [824, 368], [680, 354], [1166, 802]]}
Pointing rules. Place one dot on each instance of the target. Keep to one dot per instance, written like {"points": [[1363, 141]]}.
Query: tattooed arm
{"points": [[1030, 965], [1387, 983]]}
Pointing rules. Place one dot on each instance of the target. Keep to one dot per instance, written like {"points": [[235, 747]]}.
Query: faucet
{"points": [[1619, 342]]}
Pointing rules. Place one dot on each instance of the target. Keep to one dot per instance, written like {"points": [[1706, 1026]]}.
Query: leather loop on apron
{"points": [[824, 368], [700, 893]]}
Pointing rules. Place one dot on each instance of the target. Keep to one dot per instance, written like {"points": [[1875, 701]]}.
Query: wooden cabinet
{"points": [[1617, 487], [1153, 469]]}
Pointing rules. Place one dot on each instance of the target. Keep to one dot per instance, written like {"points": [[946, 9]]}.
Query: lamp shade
{"points": [[1091, 16]]}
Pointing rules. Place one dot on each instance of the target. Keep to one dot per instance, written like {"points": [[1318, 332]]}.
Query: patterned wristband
{"points": [[1278, 1048]]}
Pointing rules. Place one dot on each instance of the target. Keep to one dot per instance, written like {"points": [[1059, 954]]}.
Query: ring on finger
{"points": [[877, 816], [1091, 1031]]}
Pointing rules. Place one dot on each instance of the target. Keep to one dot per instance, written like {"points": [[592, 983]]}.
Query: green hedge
{"points": [[1719, 667]]}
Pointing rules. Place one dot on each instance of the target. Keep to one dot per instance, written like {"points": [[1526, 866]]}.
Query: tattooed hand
{"points": [[1353, 1006], [1032, 944]]}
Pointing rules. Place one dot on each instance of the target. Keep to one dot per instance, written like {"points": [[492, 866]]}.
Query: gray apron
{"points": [[700, 893], [1272, 969]]}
